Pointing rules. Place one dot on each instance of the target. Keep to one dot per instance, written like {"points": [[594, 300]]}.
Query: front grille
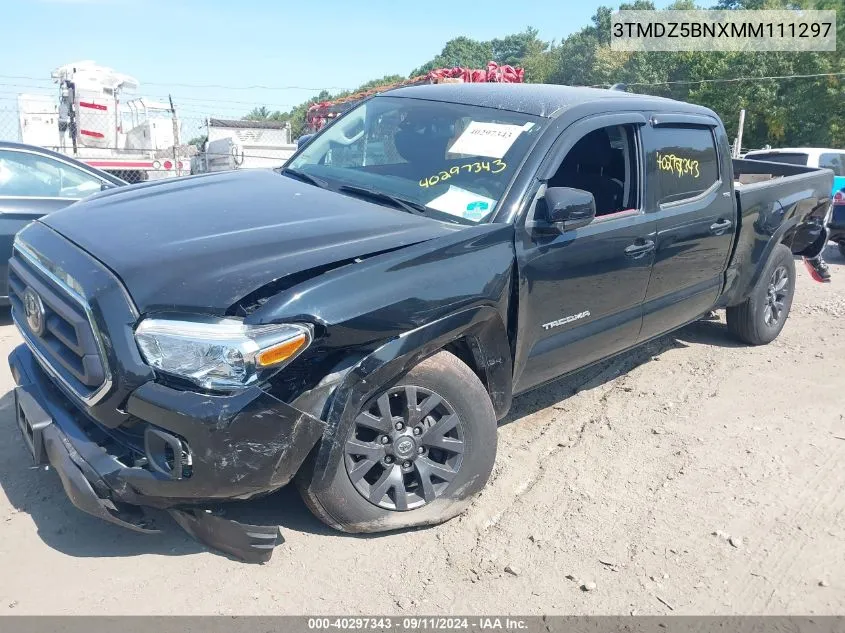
{"points": [[67, 342]]}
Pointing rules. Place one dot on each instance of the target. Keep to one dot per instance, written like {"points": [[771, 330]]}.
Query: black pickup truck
{"points": [[359, 320]]}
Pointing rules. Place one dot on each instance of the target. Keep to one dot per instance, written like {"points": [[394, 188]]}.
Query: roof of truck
{"points": [[547, 100]]}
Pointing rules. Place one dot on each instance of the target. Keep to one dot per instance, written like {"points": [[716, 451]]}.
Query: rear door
{"points": [[581, 291], [33, 185], [689, 193]]}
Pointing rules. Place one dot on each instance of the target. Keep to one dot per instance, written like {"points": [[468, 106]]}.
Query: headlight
{"points": [[222, 354]]}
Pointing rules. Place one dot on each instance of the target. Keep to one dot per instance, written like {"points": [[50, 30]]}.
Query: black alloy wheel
{"points": [[414, 454], [405, 448], [759, 319], [776, 295]]}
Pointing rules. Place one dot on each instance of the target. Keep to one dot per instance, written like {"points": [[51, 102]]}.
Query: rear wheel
{"points": [[416, 453], [761, 317]]}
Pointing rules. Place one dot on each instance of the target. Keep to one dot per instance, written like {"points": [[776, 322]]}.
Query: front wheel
{"points": [[842, 248], [761, 317], [415, 454]]}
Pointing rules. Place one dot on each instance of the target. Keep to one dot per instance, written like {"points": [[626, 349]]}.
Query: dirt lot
{"points": [[694, 474]]}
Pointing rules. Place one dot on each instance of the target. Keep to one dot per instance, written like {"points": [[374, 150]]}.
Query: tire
{"points": [[842, 248], [761, 317], [387, 495]]}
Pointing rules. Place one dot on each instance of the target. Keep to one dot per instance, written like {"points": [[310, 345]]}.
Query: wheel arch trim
{"points": [[741, 285]]}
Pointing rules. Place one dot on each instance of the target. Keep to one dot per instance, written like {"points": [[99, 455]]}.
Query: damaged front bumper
{"points": [[178, 451]]}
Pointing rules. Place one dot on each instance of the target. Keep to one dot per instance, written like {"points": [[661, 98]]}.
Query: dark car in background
{"points": [[34, 182]]}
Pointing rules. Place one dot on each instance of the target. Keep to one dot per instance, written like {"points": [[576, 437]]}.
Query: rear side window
{"points": [[28, 175], [790, 158], [683, 162], [836, 162]]}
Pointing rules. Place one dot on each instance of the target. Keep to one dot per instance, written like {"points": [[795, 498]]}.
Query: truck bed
{"points": [[748, 172], [776, 203], [764, 183]]}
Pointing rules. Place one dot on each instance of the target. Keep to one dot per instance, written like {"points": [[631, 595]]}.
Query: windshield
{"points": [[455, 160]]}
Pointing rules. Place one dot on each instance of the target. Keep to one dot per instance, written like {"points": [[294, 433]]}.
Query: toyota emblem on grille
{"points": [[33, 309]]}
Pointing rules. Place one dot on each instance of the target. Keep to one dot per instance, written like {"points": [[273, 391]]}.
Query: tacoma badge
{"points": [[566, 319]]}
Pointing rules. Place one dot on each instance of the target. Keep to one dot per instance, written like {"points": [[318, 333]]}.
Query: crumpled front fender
{"points": [[483, 329]]}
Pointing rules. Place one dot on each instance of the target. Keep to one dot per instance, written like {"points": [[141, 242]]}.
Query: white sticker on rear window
{"points": [[464, 204], [487, 139]]}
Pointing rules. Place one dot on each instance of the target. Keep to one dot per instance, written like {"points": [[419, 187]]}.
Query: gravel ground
{"points": [[692, 476]]}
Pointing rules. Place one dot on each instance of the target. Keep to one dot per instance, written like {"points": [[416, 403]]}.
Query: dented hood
{"points": [[203, 243]]}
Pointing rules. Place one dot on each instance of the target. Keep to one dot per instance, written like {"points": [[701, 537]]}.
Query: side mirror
{"points": [[105, 186], [568, 208]]}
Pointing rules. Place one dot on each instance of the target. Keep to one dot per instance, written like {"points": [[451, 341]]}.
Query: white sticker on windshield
{"points": [[462, 203], [487, 139]]}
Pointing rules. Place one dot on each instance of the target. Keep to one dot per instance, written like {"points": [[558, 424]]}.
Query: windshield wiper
{"points": [[406, 205], [301, 175]]}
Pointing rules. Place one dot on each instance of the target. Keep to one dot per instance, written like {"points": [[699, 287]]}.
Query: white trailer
{"points": [[136, 140], [240, 144]]}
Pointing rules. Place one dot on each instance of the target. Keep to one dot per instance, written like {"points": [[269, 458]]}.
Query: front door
{"points": [[581, 291]]}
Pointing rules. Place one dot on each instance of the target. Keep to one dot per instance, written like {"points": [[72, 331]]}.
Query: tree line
{"points": [[787, 111]]}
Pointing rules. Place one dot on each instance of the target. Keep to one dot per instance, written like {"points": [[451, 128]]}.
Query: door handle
{"points": [[637, 250], [720, 227]]}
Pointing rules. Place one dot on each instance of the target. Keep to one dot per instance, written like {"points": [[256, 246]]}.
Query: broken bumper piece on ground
{"points": [[249, 543], [99, 483]]}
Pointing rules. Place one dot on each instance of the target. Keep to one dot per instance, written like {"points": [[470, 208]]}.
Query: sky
{"points": [[173, 46]]}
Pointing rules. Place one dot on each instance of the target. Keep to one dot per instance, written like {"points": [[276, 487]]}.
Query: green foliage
{"points": [[796, 111], [461, 51], [198, 141], [296, 115], [515, 49], [260, 113]]}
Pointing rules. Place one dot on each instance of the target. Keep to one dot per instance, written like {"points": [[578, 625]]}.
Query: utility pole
{"points": [[738, 147], [176, 136]]}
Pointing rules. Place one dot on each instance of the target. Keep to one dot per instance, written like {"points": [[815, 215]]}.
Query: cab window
{"points": [[683, 160], [603, 162]]}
